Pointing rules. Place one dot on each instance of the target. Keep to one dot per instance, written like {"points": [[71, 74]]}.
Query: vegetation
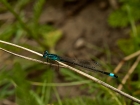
{"points": [[128, 14], [16, 79]]}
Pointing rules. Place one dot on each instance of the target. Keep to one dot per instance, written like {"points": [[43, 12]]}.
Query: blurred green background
{"points": [[103, 30]]}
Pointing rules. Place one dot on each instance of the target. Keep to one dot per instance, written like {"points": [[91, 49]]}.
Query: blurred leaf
{"points": [[45, 29], [120, 18], [46, 91], [23, 92], [126, 46], [37, 11], [5, 84], [21, 3], [136, 38], [7, 33], [51, 38], [12, 31], [2, 8], [37, 97], [70, 75], [5, 90], [83, 100]]}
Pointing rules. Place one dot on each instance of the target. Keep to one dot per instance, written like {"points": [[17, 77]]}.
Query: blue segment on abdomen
{"points": [[111, 74]]}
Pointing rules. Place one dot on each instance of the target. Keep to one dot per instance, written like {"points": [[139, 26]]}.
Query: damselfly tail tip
{"points": [[113, 75]]}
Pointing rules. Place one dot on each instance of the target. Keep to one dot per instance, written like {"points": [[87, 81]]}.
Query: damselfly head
{"points": [[45, 54]]}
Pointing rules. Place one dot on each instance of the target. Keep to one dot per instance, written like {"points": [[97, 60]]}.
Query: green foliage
{"points": [[46, 91], [15, 82], [83, 100], [77, 101], [17, 78], [120, 17], [126, 44], [20, 4], [6, 33], [37, 11], [129, 13], [69, 75], [130, 45], [29, 28], [53, 37], [4, 83]]}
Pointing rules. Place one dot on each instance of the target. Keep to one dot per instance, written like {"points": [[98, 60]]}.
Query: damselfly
{"points": [[74, 62]]}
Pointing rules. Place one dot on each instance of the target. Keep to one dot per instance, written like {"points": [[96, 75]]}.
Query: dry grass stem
{"points": [[116, 70], [130, 71], [31, 59], [82, 73]]}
